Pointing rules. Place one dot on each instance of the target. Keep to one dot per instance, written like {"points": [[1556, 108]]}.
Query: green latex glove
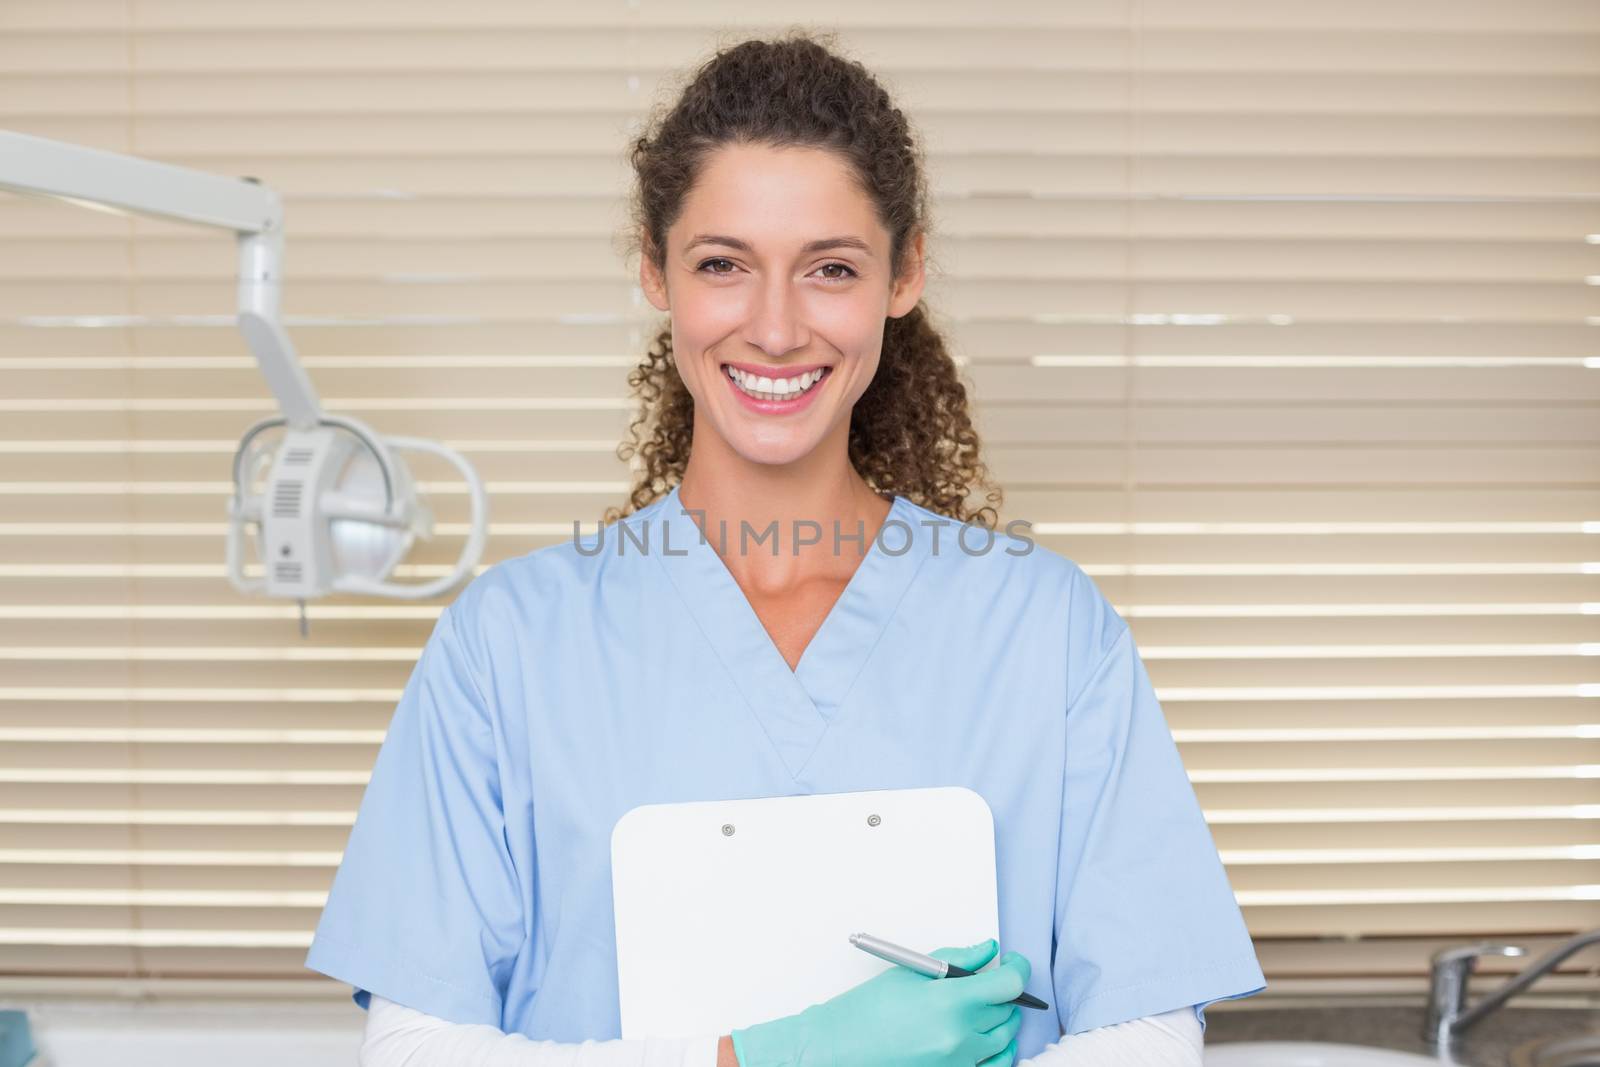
{"points": [[902, 1019]]}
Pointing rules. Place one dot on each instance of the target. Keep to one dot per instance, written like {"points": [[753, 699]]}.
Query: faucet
{"points": [[1448, 1014]]}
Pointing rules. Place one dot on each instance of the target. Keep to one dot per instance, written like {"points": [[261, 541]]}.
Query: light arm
{"points": [[398, 1036], [122, 184], [1170, 1039], [307, 485]]}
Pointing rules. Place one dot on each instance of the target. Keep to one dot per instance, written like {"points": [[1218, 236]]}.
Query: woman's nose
{"points": [[775, 325]]}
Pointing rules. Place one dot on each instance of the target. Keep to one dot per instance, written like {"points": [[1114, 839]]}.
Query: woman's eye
{"points": [[849, 272]]}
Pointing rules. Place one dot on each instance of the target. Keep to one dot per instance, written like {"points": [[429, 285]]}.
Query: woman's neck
{"points": [[832, 517]]}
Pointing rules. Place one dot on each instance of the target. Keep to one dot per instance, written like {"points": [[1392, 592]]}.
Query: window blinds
{"points": [[1280, 319]]}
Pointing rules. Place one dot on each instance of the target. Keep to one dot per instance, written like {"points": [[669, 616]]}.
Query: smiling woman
{"points": [[783, 230]]}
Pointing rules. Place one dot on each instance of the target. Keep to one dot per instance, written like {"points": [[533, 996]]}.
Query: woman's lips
{"points": [[777, 407]]}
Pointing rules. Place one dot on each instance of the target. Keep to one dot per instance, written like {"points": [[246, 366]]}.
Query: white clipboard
{"points": [[732, 912]]}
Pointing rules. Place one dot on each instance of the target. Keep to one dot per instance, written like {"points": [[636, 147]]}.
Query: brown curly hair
{"points": [[910, 432]]}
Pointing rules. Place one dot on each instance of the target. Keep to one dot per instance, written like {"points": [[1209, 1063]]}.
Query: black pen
{"points": [[931, 966]]}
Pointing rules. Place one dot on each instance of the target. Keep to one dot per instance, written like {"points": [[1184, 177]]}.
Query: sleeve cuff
{"points": [[1227, 980], [400, 982]]}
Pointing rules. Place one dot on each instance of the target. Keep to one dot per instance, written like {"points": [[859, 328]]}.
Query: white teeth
{"points": [[765, 388]]}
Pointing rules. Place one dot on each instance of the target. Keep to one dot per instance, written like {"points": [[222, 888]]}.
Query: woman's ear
{"points": [[908, 287], [651, 279]]}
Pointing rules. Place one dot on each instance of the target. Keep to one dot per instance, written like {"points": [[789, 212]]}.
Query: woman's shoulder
{"points": [[1005, 553], [544, 579], [1007, 573]]}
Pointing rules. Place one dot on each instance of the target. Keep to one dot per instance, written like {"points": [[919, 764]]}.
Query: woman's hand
{"points": [[902, 1019]]}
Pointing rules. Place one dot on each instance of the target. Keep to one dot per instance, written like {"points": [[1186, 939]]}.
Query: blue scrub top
{"points": [[567, 686]]}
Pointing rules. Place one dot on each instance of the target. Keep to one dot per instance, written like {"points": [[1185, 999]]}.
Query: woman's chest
{"points": [[671, 723], [792, 619]]}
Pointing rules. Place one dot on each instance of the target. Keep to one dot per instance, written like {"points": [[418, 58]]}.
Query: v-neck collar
{"points": [[794, 707]]}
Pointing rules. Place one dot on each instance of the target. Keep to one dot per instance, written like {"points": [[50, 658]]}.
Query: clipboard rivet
{"points": [[873, 820], [727, 829]]}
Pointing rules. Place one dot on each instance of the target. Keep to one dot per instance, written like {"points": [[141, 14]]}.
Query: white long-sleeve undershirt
{"points": [[398, 1036]]}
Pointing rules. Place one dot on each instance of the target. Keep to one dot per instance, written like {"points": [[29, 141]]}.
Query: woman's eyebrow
{"points": [[819, 245]]}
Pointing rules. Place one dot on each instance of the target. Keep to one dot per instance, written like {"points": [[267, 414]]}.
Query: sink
{"points": [[1328, 1054], [1580, 1050]]}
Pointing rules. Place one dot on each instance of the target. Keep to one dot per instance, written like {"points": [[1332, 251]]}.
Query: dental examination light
{"points": [[338, 509]]}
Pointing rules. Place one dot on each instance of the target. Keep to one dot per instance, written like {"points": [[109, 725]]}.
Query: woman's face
{"points": [[777, 267]]}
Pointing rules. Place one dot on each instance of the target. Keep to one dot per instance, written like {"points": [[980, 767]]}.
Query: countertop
{"points": [[1392, 1025]]}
